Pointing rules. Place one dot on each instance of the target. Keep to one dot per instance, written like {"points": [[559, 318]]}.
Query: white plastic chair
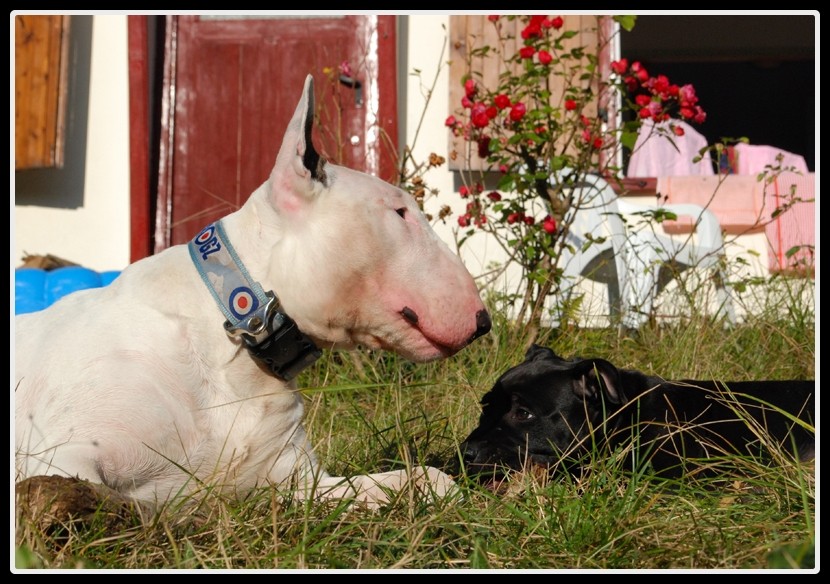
{"points": [[615, 242]]}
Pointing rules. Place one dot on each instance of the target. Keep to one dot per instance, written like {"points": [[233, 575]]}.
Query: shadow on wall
{"points": [[64, 187]]}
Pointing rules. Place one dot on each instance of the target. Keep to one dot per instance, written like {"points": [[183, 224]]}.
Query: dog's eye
{"points": [[522, 414], [401, 212]]}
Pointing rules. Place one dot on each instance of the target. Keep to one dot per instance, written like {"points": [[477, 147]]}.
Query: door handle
{"points": [[349, 81]]}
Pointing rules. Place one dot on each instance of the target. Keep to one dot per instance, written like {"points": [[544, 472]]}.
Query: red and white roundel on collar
{"points": [[242, 302]]}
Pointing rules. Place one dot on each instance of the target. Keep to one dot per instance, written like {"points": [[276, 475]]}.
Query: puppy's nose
{"points": [[483, 324], [469, 452]]}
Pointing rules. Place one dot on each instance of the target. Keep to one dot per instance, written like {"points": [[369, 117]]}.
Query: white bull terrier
{"points": [[178, 374]]}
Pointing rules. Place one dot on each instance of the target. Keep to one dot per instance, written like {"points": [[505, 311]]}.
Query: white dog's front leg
{"points": [[378, 489]]}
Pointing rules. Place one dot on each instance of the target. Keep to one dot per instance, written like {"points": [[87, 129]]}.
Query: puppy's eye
{"points": [[401, 212], [522, 415]]}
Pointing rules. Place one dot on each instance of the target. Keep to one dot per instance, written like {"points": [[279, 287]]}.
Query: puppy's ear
{"points": [[597, 377], [539, 353]]}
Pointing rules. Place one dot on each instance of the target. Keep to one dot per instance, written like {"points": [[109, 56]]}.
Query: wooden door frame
{"points": [[139, 112], [147, 232]]}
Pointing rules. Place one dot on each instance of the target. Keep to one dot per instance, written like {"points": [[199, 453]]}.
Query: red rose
{"points": [[531, 30], [620, 67], [501, 101], [642, 100], [527, 52], [483, 146], [549, 224], [464, 191], [463, 220], [639, 71], [700, 115], [597, 143], [494, 196], [466, 103], [492, 112], [478, 115], [529, 220], [503, 169], [557, 23], [493, 17], [660, 84], [687, 113], [678, 130], [545, 57], [645, 113], [518, 111], [513, 217], [470, 87], [480, 220], [570, 105], [631, 83], [450, 122]]}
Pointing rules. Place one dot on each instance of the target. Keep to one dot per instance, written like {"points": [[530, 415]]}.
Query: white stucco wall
{"points": [[428, 52], [95, 234]]}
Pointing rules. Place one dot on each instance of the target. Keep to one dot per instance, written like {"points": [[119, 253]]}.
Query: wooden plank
{"points": [[41, 49], [468, 32]]}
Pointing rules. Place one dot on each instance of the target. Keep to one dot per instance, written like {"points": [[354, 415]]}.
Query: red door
{"points": [[231, 85]]}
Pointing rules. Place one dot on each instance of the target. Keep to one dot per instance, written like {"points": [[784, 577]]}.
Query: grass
{"points": [[372, 412]]}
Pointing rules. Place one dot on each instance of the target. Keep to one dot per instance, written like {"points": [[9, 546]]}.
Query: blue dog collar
{"points": [[270, 335]]}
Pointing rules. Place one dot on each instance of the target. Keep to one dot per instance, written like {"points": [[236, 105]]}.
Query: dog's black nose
{"points": [[483, 324], [469, 453]]}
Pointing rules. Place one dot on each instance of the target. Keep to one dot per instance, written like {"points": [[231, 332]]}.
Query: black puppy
{"points": [[552, 412]]}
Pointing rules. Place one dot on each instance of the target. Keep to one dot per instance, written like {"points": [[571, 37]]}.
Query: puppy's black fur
{"points": [[552, 412]]}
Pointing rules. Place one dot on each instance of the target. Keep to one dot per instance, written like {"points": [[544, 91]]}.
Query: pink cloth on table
{"points": [[795, 226], [658, 154], [753, 159], [737, 201]]}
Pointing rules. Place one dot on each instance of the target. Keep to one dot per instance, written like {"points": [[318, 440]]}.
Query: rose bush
{"points": [[552, 109]]}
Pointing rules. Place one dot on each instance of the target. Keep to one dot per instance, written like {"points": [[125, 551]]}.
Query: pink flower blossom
{"points": [[688, 95]]}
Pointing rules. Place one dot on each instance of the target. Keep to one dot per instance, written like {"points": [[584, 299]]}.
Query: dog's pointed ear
{"points": [[539, 353], [299, 169], [597, 377]]}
